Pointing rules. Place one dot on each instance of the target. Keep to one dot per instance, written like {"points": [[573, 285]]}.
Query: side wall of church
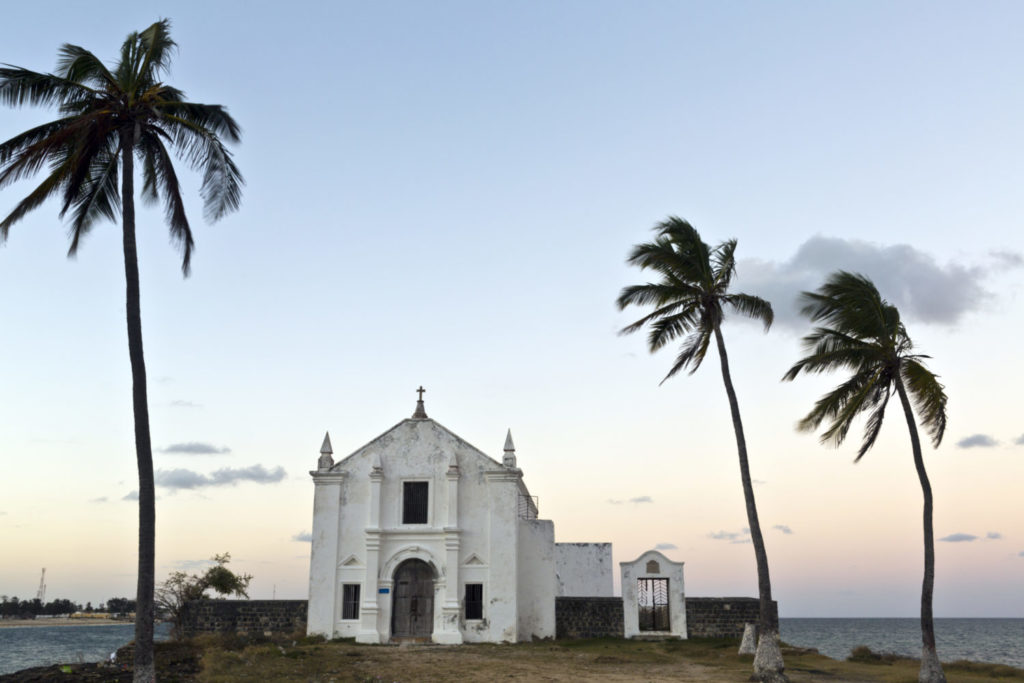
{"points": [[536, 584], [584, 570]]}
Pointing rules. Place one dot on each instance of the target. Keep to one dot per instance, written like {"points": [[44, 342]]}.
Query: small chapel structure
{"points": [[421, 535]]}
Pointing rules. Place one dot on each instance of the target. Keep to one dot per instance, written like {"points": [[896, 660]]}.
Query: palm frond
{"points": [[929, 397], [157, 48], [874, 423], [723, 262], [222, 181], [692, 353], [668, 328], [19, 87], [656, 294], [78, 65], [165, 181], [97, 196], [752, 307]]}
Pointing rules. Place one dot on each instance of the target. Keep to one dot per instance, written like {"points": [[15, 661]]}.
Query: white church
{"points": [[420, 535]]}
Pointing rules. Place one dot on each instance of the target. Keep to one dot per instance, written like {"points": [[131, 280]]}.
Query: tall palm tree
{"points": [[108, 119], [689, 302], [862, 333]]}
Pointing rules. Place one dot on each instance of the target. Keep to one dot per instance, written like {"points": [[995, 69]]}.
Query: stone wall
{"points": [[244, 617], [722, 617], [588, 617]]}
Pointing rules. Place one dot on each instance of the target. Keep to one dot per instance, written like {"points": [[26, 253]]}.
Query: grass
{"points": [[314, 660]]}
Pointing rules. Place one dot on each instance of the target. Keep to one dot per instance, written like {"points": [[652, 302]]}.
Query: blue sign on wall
{"points": [[383, 590]]}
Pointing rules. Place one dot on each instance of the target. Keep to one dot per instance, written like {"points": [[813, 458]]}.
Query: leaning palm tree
{"points": [[108, 118], [689, 302], [862, 333]]}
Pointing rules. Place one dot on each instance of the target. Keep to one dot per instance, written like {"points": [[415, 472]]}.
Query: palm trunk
{"points": [[768, 664], [144, 670], [931, 667]]}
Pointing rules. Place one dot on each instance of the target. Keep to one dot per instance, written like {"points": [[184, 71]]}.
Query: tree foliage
{"points": [[181, 587]]}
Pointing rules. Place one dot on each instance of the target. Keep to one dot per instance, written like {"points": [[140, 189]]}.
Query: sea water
{"points": [[22, 647], [999, 641]]}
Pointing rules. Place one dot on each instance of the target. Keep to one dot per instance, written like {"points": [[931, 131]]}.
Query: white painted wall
{"points": [[667, 569], [584, 570], [537, 584], [472, 535]]}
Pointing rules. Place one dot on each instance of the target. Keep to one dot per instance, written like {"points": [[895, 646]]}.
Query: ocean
{"points": [[22, 647], [999, 641]]}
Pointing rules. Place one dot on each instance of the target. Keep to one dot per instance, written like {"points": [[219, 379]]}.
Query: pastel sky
{"points": [[444, 194]]}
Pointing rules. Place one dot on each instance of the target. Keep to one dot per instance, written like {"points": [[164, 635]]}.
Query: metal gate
{"points": [[413, 608], [652, 605]]}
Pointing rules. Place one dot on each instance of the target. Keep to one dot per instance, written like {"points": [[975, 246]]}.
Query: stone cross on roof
{"points": [[421, 412]]}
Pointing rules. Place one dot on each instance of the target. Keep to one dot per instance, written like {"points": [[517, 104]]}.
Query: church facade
{"points": [[420, 535]]}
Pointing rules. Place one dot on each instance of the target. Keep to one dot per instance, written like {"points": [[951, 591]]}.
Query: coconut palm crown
{"points": [[861, 333], [108, 118], [690, 299], [104, 112]]}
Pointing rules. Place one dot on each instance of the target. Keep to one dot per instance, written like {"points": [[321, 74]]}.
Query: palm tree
{"points": [[862, 333], [689, 302], [108, 118]]}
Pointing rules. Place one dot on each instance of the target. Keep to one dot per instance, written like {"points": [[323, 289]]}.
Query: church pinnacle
{"points": [[421, 412], [509, 459]]}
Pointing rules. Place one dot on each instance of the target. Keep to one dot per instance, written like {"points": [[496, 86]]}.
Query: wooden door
{"points": [[412, 613]]}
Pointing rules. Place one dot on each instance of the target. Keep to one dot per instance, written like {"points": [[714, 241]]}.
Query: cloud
{"points": [[185, 565], [195, 448], [783, 528], [228, 476], [666, 546], [906, 276], [1021, 554], [184, 404], [636, 499], [993, 535], [977, 441], [731, 536], [959, 538], [131, 495], [101, 499], [1019, 440], [303, 536]]}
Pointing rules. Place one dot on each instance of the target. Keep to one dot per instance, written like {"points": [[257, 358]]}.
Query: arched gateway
{"points": [[412, 611]]}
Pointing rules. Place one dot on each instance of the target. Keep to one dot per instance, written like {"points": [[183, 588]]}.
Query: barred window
{"points": [[415, 495], [350, 601], [474, 601]]}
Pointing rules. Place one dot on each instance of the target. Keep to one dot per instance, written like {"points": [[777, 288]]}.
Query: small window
{"points": [[474, 601], [350, 601], [414, 502]]}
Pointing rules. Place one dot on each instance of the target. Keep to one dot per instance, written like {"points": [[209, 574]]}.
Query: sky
{"points": [[444, 194]]}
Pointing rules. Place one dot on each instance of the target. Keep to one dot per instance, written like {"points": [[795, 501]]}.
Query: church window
{"points": [[474, 601], [350, 601], [415, 496]]}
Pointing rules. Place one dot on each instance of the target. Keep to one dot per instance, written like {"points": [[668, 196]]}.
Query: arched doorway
{"points": [[412, 612]]}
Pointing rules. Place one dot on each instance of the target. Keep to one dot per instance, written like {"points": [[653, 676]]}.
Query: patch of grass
{"points": [[1000, 671], [865, 655]]}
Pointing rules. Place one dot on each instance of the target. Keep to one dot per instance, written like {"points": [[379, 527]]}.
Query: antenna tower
{"points": [[41, 593]]}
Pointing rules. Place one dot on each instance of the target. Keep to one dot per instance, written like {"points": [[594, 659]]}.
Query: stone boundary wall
{"points": [[588, 617], [244, 617], [723, 617], [574, 617]]}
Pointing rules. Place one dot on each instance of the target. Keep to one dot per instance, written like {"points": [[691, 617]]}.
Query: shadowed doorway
{"points": [[412, 613]]}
